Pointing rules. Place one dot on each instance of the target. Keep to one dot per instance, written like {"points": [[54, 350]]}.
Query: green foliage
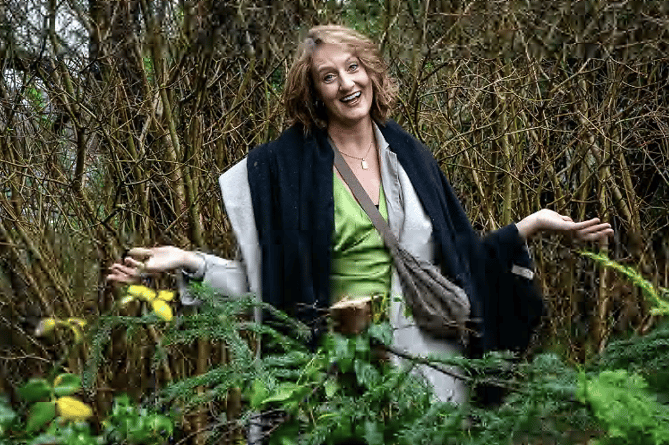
{"points": [[66, 385], [346, 390], [100, 335], [40, 414], [149, 68], [47, 396], [541, 406], [78, 433], [34, 390], [341, 391], [622, 403], [35, 97], [62, 418], [128, 423], [647, 355], [7, 416], [656, 296], [373, 13]]}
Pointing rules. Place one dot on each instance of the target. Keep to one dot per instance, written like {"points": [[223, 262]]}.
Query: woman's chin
{"points": [[350, 119]]}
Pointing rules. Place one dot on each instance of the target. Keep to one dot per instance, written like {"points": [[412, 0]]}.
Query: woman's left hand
{"points": [[548, 220]]}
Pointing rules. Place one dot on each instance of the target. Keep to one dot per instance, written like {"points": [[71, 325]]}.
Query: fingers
{"points": [[596, 228], [120, 273], [134, 266], [596, 232], [134, 263], [121, 278], [141, 253], [590, 230], [586, 224], [593, 230], [144, 259]]}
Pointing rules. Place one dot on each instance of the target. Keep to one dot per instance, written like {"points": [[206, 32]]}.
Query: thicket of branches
{"points": [[114, 129]]}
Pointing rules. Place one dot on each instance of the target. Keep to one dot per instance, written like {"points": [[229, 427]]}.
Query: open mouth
{"points": [[351, 97]]}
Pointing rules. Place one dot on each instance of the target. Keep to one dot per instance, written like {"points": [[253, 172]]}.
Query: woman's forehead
{"points": [[327, 54]]}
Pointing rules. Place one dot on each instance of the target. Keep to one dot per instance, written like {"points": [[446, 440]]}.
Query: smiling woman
{"points": [[305, 241], [343, 85], [300, 92]]}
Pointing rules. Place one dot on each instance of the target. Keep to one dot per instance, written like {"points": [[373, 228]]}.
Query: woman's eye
{"points": [[328, 78], [353, 67]]}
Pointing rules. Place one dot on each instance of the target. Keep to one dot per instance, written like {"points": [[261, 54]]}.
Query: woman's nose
{"points": [[346, 82]]}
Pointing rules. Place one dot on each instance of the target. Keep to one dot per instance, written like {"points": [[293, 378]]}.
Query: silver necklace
{"points": [[363, 162]]}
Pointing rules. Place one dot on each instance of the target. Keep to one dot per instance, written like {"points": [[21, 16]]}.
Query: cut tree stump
{"points": [[351, 316]]}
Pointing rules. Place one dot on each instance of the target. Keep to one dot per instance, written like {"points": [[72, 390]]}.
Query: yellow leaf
{"points": [[45, 326], [148, 294], [78, 335], [142, 292], [166, 295], [127, 299], [77, 326], [70, 408], [81, 323], [162, 309]]}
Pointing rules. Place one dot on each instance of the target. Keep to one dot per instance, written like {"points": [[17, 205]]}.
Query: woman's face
{"points": [[342, 84]]}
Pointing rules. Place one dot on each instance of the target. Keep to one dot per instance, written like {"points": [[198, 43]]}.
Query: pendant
{"points": [[364, 165]]}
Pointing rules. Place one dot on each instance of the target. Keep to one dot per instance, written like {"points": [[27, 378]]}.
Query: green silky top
{"points": [[361, 263]]}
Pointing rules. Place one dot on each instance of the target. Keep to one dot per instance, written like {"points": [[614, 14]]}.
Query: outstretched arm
{"points": [[154, 260], [228, 277], [232, 277], [548, 220]]}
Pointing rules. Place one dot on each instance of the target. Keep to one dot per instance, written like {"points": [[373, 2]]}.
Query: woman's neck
{"points": [[353, 140]]}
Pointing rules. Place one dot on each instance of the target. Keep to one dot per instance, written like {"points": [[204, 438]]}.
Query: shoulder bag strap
{"points": [[364, 200]]}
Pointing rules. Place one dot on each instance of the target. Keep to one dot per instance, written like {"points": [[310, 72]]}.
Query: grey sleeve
{"points": [[232, 277], [226, 276]]}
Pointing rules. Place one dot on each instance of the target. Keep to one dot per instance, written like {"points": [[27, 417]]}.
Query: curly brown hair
{"points": [[299, 94]]}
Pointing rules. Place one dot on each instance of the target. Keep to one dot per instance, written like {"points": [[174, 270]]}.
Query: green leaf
{"points": [[41, 414], [66, 384], [35, 390], [259, 394], [160, 425], [344, 352], [331, 388], [286, 434], [362, 345], [582, 390], [342, 431], [7, 415], [382, 332], [42, 439], [366, 373], [283, 392], [373, 435]]}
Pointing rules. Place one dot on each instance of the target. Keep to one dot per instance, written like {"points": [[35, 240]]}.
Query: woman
{"points": [[305, 242]]}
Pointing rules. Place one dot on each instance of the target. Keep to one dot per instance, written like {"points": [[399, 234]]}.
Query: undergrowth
{"points": [[347, 391]]}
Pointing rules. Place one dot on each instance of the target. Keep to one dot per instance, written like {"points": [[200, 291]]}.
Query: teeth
{"points": [[351, 97]]}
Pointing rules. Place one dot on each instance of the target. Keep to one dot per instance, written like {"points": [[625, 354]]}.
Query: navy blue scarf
{"points": [[291, 191]]}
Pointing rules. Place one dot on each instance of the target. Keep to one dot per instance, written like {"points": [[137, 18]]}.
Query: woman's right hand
{"points": [[154, 260]]}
